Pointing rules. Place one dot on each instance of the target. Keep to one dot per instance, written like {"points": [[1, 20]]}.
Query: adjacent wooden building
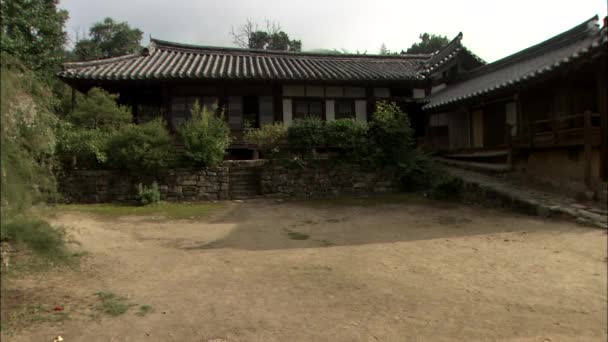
{"points": [[540, 111]]}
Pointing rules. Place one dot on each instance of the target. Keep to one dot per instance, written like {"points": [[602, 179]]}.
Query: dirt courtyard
{"points": [[313, 271]]}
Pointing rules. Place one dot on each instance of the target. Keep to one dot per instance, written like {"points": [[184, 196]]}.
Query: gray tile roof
{"points": [[523, 66], [163, 60], [448, 53]]}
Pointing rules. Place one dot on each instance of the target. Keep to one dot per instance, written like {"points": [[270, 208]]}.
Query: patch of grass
{"points": [[164, 209], [42, 239], [297, 236], [29, 314], [144, 310], [367, 201], [111, 304]]}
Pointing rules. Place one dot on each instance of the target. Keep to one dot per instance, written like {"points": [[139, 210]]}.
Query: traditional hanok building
{"points": [[254, 87], [540, 112], [537, 111]]}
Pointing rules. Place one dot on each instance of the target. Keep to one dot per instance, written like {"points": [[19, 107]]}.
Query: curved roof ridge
{"points": [[94, 62], [165, 44]]}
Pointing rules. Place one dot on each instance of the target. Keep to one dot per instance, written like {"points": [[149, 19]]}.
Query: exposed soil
{"points": [[268, 271]]}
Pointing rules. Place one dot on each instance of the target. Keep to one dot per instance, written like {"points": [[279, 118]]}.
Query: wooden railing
{"points": [[559, 131]]}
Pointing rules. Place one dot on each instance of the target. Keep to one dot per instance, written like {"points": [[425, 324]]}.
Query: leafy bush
{"points": [[145, 147], [27, 138], [205, 137], [99, 109], [445, 186], [415, 170], [390, 134], [269, 138], [147, 195], [306, 134], [79, 148], [350, 136]]}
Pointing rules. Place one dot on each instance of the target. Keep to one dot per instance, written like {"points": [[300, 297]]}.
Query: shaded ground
{"points": [[331, 271]]}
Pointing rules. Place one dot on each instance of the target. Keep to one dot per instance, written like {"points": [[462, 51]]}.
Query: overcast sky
{"points": [[491, 29]]}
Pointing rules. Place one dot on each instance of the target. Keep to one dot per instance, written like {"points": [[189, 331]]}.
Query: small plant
{"points": [[144, 310], [205, 137], [297, 236], [269, 138], [111, 304], [147, 195], [446, 187]]}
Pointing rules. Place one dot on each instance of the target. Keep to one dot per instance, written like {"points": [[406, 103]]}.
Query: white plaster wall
{"points": [[361, 110], [418, 93], [287, 114], [330, 106]]}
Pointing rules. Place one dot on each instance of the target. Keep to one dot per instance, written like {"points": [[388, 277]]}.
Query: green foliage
{"points": [[39, 236], [390, 134], [27, 143], [429, 43], [445, 186], [147, 195], [415, 170], [205, 137], [347, 134], [144, 148], [111, 304], [268, 138], [108, 39], [81, 148], [32, 31], [306, 134], [99, 110]]}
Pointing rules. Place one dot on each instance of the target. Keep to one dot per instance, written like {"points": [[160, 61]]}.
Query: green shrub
{"points": [[98, 109], [205, 137], [147, 147], [349, 136], [445, 186], [415, 170], [390, 134], [27, 139], [269, 138], [79, 148], [147, 195], [39, 236], [306, 134]]}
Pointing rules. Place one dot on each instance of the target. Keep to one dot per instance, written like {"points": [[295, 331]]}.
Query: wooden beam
{"points": [[587, 138], [602, 89]]}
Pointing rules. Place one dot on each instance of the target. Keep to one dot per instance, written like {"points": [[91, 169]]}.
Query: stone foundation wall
{"points": [[323, 177], [119, 186], [280, 179]]}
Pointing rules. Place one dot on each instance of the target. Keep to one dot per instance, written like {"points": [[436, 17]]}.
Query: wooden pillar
{"points": [[277, 97], [369, 97], [602, 90], [587, 137]]}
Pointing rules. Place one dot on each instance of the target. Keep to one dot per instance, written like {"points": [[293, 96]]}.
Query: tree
{"points": [[429, 43], [273, 37], [384, 50], [108, 39], [33, 32], [99, 110]]}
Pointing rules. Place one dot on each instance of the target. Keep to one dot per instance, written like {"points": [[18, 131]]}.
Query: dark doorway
{"points": [[251, 111], [494, 130]]}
